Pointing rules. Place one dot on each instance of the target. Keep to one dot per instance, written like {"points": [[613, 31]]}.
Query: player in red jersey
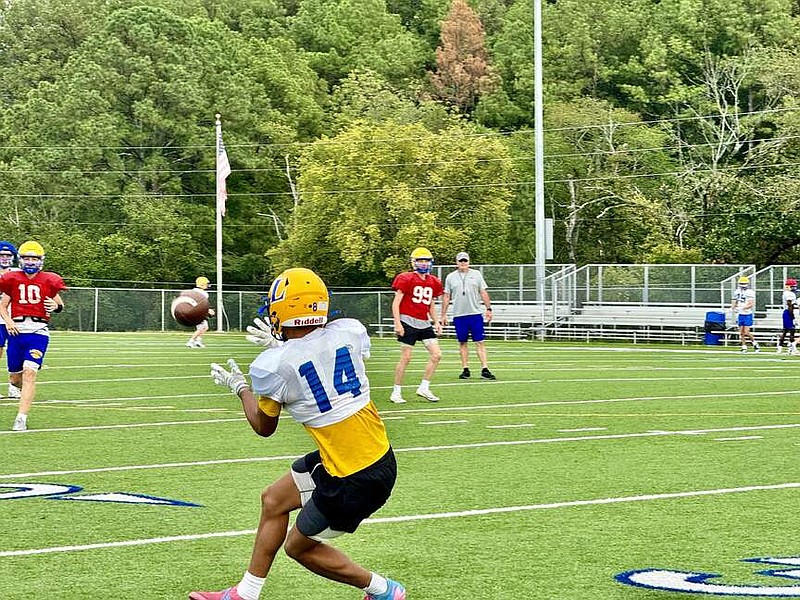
{"points": [[30, 295], [413, 310]]}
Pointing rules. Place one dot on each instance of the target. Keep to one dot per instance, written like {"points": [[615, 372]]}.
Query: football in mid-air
{"points": [[190, 308]]}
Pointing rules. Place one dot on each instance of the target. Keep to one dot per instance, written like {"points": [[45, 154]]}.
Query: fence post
{"points": [[96, 307]]}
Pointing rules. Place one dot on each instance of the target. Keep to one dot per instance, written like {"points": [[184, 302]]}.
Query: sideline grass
{"points": [[507, 489]]}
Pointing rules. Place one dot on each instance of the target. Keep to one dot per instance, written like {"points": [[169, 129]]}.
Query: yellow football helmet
{"points": [[424, 254], [34, 253], [202, 282], [744, 281], [297, 298]]}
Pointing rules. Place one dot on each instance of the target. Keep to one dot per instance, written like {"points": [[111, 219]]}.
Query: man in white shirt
{"points": [[466, 289]]}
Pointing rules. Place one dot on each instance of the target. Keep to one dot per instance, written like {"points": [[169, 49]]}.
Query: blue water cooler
{"points": [[714, 328]]}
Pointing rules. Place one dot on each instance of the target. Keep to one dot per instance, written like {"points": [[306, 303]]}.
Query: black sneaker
{"points": [[465, 374], [487, 374]]}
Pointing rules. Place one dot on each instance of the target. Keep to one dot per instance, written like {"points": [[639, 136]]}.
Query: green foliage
{"points": [[374, 192], [671, 130], [346, 35]]}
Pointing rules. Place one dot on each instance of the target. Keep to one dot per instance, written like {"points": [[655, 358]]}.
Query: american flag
{"points": [[223, 170]]}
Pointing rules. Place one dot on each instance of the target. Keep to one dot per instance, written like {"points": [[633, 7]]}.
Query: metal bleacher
{"points": [[635, 303]]}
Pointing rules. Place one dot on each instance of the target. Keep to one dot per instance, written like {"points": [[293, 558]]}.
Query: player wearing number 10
{"points": [[318, 375], [31, 295]]}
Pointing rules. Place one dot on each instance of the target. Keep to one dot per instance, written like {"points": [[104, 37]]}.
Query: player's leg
{"points": [[335, 506], [428, 337], [277, 501], [407, 341], [741, 321], [13, 390], [25, 356]]}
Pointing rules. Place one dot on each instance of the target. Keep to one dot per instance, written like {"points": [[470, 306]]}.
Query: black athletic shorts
{"points": [[344, 501], [412, 335]]}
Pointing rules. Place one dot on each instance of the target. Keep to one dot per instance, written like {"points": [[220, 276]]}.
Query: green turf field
{"points": [[579, 463]]}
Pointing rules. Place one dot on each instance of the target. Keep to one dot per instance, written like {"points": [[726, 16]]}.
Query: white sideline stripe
{"points": [[443, 422], [386, 414], [131, 425], [737, 439], [418, 517], [586, 438], [510, 426], [582, 429]]}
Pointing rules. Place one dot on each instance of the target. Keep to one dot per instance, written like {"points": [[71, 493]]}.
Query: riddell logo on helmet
{"points": [[302, 321]]}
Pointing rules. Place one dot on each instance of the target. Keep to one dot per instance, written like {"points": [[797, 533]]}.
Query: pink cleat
{"points": [[396, 591], [229, 594]]}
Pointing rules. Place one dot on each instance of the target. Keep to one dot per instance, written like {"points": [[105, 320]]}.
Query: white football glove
{"points": [[234, 378], [261, 334]]}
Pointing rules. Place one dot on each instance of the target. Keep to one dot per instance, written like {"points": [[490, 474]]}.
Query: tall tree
{"points": [[463, 72], [374, 192]]}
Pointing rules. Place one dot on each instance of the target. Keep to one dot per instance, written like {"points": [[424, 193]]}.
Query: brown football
{"points": [[190, 308]]}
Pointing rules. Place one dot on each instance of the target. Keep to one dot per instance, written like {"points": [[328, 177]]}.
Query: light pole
{"points": [[538, 152]]}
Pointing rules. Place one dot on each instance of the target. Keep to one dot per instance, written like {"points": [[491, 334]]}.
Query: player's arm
{"points": [[54, 304], [398, 326], [262, 414], [6, 315], [445, 306], [437, 325]]}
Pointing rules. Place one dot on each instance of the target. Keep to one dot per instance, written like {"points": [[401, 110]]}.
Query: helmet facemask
{"points": [[31, 264]]}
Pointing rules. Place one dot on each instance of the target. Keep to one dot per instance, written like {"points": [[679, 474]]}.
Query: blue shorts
{"points": [[469, 324], [788, 320], [26, 348], [745, 320]]}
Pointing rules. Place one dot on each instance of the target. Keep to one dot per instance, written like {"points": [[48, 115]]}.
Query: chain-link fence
{"points": [[566, 288]]}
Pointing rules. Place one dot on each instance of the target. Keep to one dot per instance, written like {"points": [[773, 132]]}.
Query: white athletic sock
{"points": [[425, 385], [397, 389], [249, 587], [377, 585], [22, 417]]}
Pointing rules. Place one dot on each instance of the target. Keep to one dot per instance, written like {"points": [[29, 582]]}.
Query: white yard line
{"points": [[417, 517], [580, 429], [587, 438]]}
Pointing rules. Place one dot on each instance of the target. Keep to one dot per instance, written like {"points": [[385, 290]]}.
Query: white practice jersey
{"points": [[789, 295], [320, 378], [741, 296]]}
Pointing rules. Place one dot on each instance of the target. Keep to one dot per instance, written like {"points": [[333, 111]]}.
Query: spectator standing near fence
{"points": [[789, 306], [466, 289], [416, 320], [744, 305]]}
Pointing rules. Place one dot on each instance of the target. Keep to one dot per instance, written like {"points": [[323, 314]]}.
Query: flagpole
{"points": [[218, 206]]}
